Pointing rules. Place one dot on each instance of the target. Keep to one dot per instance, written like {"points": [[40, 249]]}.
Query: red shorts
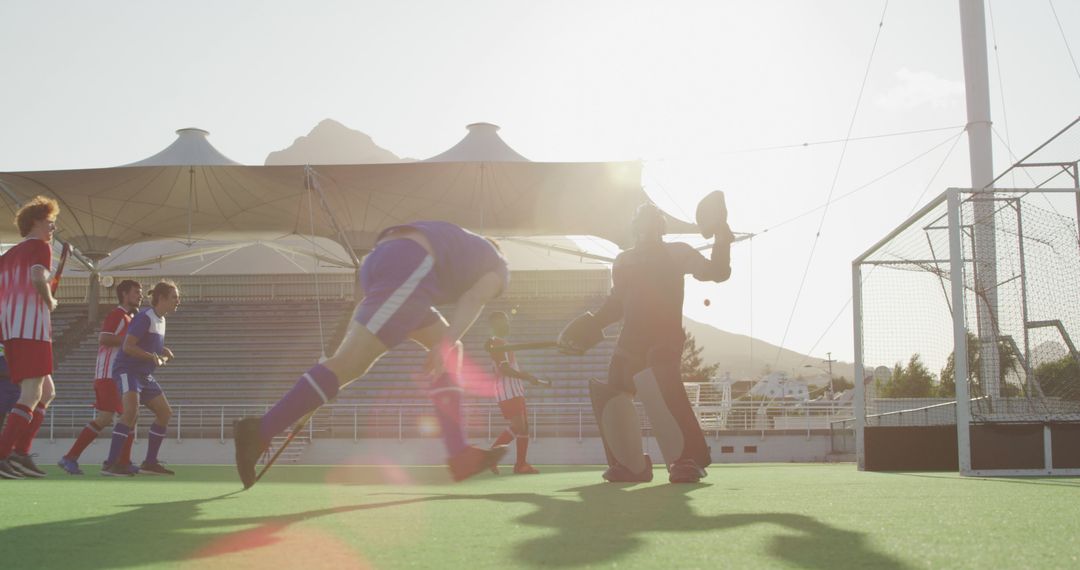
{"points": [[513, 407], [107, 396], [28, 358]]}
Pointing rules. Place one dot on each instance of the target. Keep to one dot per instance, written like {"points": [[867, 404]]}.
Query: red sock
{"points": [[23, 443], [87, 435], [522, 448], [17, 422], [125, 452], [504, 438]]}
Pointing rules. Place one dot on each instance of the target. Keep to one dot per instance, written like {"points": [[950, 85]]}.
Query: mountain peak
{"points": [[746, 357], [331, 142]]}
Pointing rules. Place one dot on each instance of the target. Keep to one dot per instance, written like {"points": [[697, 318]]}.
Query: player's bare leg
{"points": [[446, 391], [31, 390], [130, 415], [104, 419], [355, 355]]}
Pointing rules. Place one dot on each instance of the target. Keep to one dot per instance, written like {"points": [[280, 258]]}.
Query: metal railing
{"points": [[482, 420], [842, 436], [523, 285], [73, 289]]}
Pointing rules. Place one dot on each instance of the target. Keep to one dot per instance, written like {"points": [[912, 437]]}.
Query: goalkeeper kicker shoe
{"points": [[619, 473], [685, 471]]}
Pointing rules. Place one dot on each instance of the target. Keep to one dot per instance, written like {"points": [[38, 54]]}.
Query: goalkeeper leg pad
{"points": [[674, 424], [619, 428]]}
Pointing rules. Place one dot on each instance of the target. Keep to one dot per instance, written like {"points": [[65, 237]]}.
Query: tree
{"points": [[1009, 361], [911, 381], [837, 385], [693, 366], [842, 383], [947, 387], [1060, 378]]}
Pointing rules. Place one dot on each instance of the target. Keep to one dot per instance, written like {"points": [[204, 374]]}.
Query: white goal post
{"points": [[965, 318]]}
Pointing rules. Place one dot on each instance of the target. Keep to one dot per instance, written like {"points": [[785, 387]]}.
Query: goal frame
{"points": [[953, 200]]}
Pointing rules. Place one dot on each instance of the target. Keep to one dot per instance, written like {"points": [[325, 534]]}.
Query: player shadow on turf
{"points": [[610, 523], [155, 533]]}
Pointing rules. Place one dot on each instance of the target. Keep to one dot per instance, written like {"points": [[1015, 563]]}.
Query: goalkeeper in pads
{"points": [[647, 295]]}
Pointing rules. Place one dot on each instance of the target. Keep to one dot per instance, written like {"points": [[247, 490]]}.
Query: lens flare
{"points": [[428, 426], [369, 469], [276, 545], [477, 378]]}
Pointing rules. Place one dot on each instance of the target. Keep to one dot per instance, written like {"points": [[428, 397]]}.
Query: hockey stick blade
{"points": [[296, 429], [521, 346], [54, 283]]}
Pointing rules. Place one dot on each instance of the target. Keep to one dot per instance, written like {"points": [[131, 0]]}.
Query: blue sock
{"points": [[445, 393], [157, 435], [316, 387], [120, 433]]}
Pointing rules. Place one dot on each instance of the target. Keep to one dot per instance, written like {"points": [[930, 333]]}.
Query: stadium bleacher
{"points": [[250, 352]]}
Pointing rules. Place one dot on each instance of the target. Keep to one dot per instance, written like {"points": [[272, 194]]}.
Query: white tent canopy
{"points": [[482, 143], [191, 147], [167, 197], [302, 254]]}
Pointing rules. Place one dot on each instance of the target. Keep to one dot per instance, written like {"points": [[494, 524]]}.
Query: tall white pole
{"points": [[860, 366], [960, 345], [977, 88]]}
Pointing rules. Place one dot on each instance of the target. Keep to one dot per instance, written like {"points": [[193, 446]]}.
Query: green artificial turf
{"points": [[743, 516]]}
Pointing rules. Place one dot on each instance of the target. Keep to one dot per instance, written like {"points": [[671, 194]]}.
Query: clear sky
{"points": [[691, 88]]}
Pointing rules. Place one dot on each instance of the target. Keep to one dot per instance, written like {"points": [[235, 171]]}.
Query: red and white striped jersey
{"points": [[23, 313], [116, 323], [506, 387]]}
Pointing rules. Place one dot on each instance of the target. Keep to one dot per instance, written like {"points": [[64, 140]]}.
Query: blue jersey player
{"points": [[412, 268], [143, 351]]}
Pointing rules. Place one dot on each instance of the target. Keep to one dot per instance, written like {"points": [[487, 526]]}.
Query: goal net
{"points": [[966, 323]]}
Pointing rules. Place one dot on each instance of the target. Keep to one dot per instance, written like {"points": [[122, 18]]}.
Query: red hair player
{"points": [[26, 304]]}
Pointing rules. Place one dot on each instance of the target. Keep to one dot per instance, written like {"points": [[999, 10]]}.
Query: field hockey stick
{"points": [[54, 283], [520, 346], [539, 381], [296, 429], [496, 350]]}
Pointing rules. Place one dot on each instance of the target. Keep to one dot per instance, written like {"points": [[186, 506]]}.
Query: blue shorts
{"points": [[144, 384], [9, 394], [399, 283]]}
